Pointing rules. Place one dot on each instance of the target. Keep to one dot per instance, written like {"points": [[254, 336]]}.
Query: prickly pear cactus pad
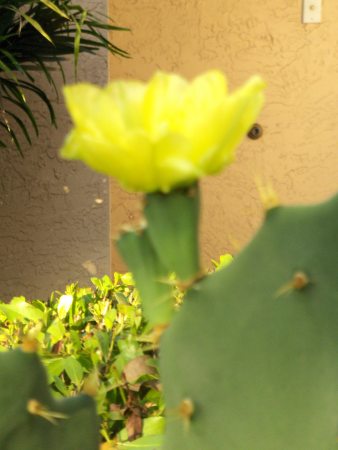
{"points": [[251, 360], [31, 419]]}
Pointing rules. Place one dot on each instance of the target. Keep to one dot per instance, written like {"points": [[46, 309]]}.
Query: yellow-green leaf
{"points": [[56, 330], [55, 8], [37, 26]]}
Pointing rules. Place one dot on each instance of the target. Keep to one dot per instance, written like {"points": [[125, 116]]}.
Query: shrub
{"points": [[96, 332]]}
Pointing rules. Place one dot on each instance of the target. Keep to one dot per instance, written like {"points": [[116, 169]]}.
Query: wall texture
{"points": [[53, 214], [298, 151]]}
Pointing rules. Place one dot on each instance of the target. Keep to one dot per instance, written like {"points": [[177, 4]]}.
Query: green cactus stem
{"points": [[173, 229]]}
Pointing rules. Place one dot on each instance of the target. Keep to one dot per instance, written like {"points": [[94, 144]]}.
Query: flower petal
{"points": [[162, 102], [94, 112], [128, 97], [133, 165], [99, 155], [174, 167], [139, 171], [203, 94], [238, 114], [220, 131]]}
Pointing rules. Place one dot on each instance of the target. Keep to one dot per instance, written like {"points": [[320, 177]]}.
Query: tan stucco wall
{"points": [[298, 151], [52, 228]]}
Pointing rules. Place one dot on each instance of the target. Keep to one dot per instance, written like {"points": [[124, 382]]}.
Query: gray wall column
{"points": [[54, 214]]}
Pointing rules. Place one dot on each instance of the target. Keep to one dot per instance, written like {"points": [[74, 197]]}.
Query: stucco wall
{"points": [[53, 214], [298, 151]]}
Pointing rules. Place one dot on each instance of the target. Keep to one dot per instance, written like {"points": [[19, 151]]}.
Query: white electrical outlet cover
{"points": [[312, 11]]}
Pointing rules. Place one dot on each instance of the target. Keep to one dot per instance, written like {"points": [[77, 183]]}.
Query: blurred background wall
{"points": [[56, 218], [297, 153], [54, 215]]}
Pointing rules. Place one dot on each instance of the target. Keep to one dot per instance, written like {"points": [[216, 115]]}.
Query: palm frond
{"points": [[37, 36], [11, 98]]}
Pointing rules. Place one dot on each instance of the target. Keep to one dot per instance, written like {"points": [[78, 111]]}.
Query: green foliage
{"points": [[35, 34], [93, 333], [32, 419], [250, 362]]}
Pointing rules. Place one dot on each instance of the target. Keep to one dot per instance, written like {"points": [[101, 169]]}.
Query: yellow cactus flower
{"points": [[160, 135]]}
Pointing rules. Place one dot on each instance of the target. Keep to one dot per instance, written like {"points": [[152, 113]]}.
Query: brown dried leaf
{"points": [[136, 368], [134, 426], [135, 387], [115, 407]]}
